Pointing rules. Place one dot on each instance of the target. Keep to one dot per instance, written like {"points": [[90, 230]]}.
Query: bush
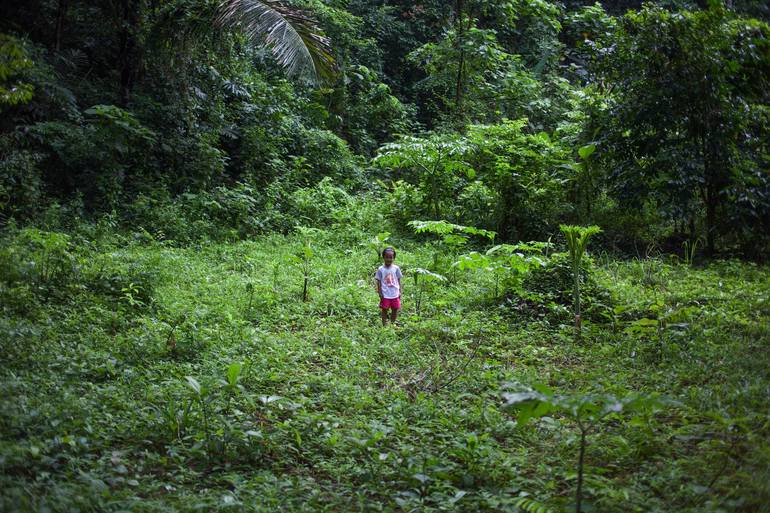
{"points": [[320, 205], [165, 219], [553, 283], [93, 154], [237, 208], [21, 188], [404, 204], [36, 257], [527, 174], [476, 205], [323, 154], [126, 283], [35, 265], [193, 162], [226, 213]]}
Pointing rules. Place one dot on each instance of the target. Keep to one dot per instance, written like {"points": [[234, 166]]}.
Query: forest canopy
{"points": [[650, 120]]}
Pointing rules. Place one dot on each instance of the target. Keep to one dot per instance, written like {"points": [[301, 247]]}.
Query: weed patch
{"points": [[178, 378]]}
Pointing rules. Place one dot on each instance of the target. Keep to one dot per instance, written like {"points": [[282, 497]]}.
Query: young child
{"points": [[388, 278]]}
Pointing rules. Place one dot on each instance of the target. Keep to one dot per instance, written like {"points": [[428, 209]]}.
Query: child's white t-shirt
{"points": [[389, 281]]}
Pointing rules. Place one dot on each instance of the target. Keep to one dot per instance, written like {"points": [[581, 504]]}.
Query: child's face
{"points": [[388, 257]]}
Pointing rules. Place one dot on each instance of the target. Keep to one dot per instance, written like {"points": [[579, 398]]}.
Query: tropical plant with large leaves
{"points": [[435, 159], [293, 37]]}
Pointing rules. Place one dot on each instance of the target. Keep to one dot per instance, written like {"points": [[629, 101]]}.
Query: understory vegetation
{"points": [[195, 196], [146, 377]]}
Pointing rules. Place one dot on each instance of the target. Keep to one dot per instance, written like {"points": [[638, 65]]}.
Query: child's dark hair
{"points": [[389, 248]]}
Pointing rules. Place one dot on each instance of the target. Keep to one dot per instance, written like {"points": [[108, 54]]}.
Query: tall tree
{"points": [[684, 87], [128, 53]]}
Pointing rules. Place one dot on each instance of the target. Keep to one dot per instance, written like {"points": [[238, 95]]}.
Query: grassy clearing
{"points": [[331, 412]]}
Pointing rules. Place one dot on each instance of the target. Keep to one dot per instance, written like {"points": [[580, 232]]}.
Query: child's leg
{"points": [[384, 315], [393, 315]]}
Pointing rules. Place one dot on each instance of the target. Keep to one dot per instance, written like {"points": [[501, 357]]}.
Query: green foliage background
{"points": [[159, 106], [187, 232]]}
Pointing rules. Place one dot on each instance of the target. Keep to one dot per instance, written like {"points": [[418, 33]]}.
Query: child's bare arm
{"points": [[379, 288]]}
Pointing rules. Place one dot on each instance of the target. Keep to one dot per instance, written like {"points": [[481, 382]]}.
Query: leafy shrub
{"points": [[627, 229], [94, 154], [476, 205], [240, 211], [371, 113], [130, 284], [42, 259], [225, 213], [404, 203], [237, 208], [319, 205], [507, 264], [18, 299], [553, 283], [323, 154], [38, 265], [61, 216], [364, 211], [164, 219], [195, 162], [20, 182], [527, 174], [275, 200], [435, 162], [34, 266], [14, 59]]}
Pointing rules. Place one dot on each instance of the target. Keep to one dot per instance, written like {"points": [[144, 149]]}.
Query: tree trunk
{"points": [[711, 216], [435, 193], [711, 187], [459, 82], [128, 49], [459, 86], [60, 15], [576, 293], [579, 491]]}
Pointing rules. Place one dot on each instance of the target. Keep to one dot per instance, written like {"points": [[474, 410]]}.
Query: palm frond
{"points": [[291, 35]]}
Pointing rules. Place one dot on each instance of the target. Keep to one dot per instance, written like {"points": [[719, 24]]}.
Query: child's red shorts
{"points": [[394, 303]]}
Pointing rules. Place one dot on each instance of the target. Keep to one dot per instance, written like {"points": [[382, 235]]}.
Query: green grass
{"points": [[336, 413]]}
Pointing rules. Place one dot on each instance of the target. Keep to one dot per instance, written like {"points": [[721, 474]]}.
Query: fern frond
{"points": [[527, 505]]}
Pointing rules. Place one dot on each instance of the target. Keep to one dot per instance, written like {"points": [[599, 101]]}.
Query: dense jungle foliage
{"points": [[511, 116], [195, 194]]}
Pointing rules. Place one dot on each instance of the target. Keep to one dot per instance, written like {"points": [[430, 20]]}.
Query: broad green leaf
{"points": [[587, 151], [428, 275], [234, 373]]}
